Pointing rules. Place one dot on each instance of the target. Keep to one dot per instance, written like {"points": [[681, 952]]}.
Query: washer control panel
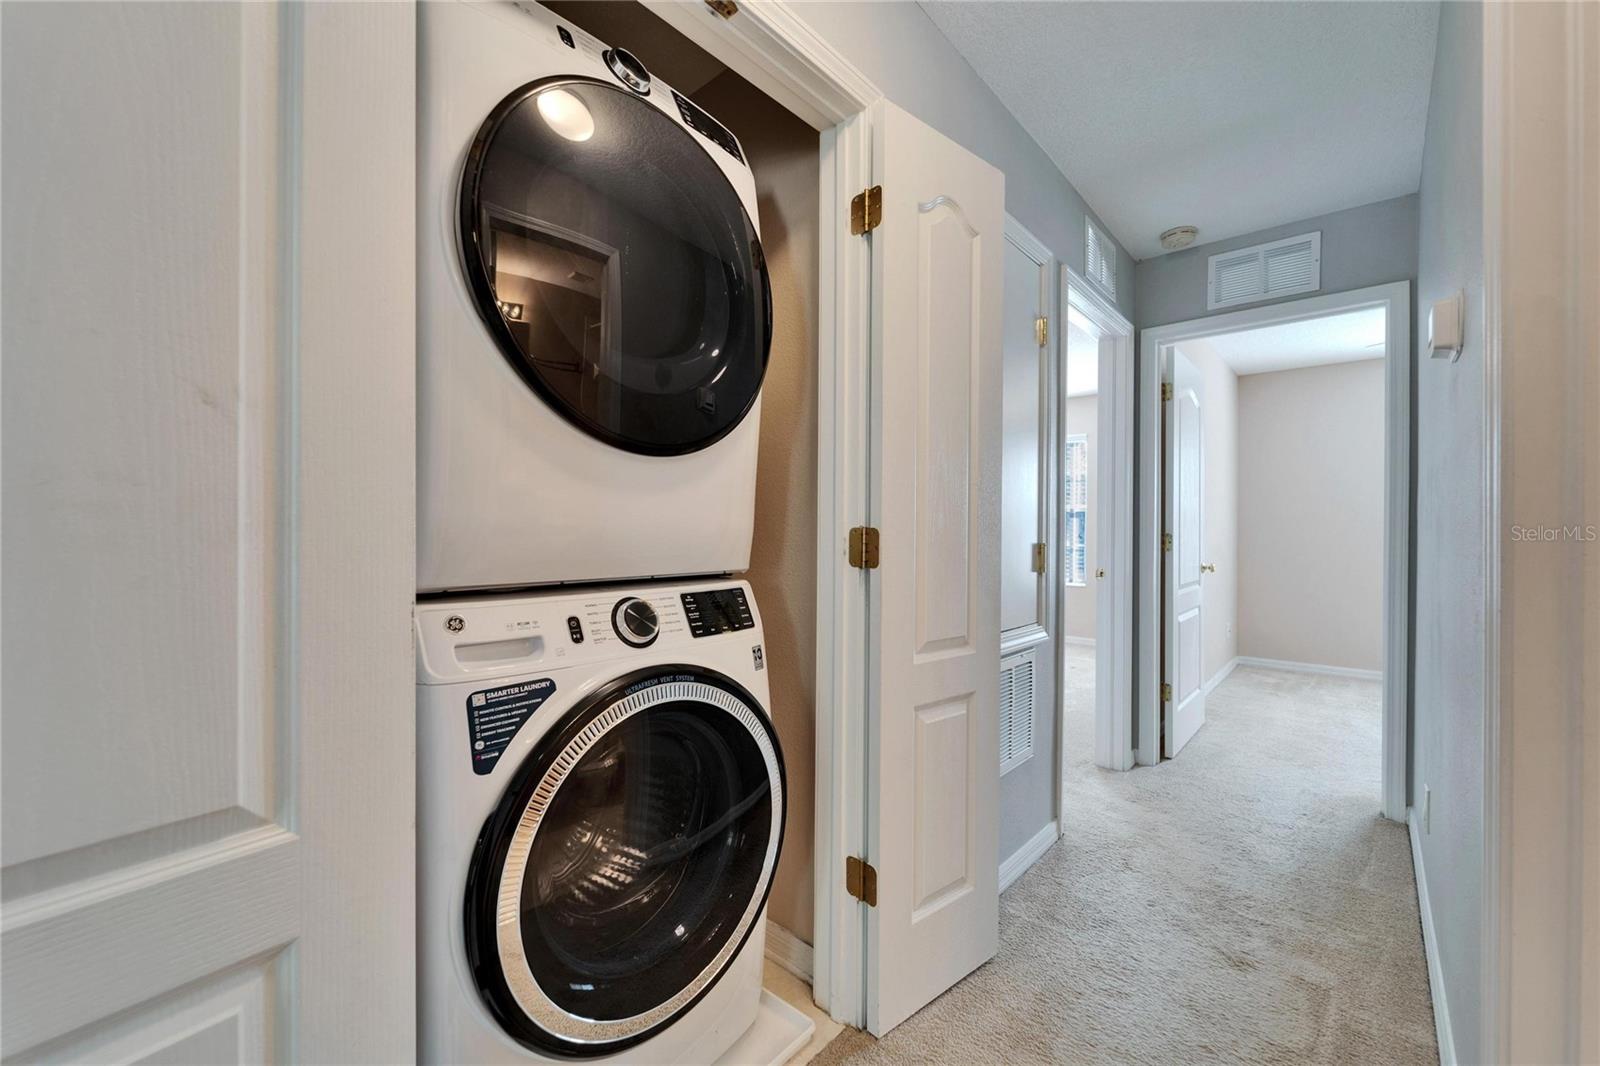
{"points": [[714, 611], [484, 637]]}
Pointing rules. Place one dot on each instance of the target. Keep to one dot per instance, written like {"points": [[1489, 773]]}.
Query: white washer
{"points": [[601, 803], [593, 313]]}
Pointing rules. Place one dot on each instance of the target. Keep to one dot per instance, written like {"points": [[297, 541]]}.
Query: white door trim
{"points": [[1114, 541], [1541, 348], [776, 50], [1154, 342]]}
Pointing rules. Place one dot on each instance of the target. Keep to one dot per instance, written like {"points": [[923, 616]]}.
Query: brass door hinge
{"points": [[1041, 330], [1166, 692], [861, 880], [864, 548], [1166, 390], [1166, 542], [1039, 560], [866, 210], [726, 8]]}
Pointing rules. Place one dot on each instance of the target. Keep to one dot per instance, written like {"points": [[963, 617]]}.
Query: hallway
{"points": [[1242, 903]]}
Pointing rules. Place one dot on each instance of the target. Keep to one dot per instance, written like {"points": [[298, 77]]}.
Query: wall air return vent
{"points": [[1264, 271], [1099, 259], [1016, 710]]}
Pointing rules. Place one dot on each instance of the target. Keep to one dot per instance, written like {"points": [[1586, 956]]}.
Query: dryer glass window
{"points": [[616, 266]]}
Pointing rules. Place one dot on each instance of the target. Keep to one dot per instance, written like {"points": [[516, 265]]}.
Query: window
{"points": [[1075, 500]]}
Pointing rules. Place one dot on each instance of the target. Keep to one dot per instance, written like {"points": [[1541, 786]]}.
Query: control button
{"points": [[566, 37], [628, 69], [575, 628], [635, 622]]}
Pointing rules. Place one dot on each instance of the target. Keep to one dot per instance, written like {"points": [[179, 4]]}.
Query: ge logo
{"points": [[455, 623]]}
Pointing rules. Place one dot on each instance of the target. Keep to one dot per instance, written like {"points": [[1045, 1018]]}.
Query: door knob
{"points": [[1100, 572], [1209, 568]]}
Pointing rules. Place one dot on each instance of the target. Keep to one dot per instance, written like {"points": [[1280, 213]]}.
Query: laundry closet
{"points": [[782, 152], [616, 514]]}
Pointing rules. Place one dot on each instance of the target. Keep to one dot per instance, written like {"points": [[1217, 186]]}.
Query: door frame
{"points": [[772, 47], [1114, 480], [1154, 344]]}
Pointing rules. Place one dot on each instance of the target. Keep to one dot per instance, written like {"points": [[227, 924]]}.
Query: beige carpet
{"points": [[1241, 903]]}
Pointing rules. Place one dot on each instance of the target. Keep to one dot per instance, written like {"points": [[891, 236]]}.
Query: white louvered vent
{"points": [[1016, 711], [1264, 271], [1099, 259]]}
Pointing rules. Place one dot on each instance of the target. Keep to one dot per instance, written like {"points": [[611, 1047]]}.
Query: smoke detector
{"points": [[1178, 237]]}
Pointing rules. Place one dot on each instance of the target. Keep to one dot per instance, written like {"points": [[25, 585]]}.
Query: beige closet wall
{"points": [[783, 154]]}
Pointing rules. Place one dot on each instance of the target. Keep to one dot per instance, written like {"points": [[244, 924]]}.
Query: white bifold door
{"points": [[934, 624], [1183, 708], [208, 815]]}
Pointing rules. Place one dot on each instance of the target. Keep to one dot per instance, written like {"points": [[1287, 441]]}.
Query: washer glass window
{"points": [[628, 863], [616, 266]]}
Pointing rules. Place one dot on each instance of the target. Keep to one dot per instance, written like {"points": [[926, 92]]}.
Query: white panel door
{"points": [[208, 525], [1184, 706], [935, 616], [1026, 441]]}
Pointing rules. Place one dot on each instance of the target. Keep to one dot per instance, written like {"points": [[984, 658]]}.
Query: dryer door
{"points": [[627, 863], [615, 265]]}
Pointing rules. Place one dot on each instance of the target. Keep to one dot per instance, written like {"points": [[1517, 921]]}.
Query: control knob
{"points": [[636, 622], [629, 71]]}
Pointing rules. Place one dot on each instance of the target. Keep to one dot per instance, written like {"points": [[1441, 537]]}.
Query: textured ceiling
{"points": [[1342, 338], [1227, 116]]}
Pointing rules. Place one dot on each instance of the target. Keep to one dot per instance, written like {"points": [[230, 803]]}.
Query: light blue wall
{"points": [[1447, 750], [1369, 245], [911, 62], [916, 67]]}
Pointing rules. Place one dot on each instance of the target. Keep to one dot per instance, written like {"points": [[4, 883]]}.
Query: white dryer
{"points": [[593, 312], [601, 803]]}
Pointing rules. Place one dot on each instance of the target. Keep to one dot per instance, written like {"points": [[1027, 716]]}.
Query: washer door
{"points": [[627, 863], [615, 266]]}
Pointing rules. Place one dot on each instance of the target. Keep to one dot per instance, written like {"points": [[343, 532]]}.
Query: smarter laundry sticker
{"points": [[495, 714]]}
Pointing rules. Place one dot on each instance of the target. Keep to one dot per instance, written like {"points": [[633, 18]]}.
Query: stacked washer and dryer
{"points": [[601, 792]]}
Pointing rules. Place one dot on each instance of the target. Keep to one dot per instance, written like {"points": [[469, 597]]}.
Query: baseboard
{"points": [[1430, 947], [1310, 668], [1027, 855], [1221, 675], [789, 951], [1087, 642]]}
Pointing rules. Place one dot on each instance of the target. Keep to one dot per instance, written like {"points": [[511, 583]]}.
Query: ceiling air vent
{"points": [[1016, 711], [1265, 271], [1099, 259]]}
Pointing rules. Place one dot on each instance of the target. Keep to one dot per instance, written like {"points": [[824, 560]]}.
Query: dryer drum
{"points": [[644, 312], [627, 862]]}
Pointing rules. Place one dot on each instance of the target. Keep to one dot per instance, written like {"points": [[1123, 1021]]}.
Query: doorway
{"points": [[1094, 533], [1196, 379]]}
